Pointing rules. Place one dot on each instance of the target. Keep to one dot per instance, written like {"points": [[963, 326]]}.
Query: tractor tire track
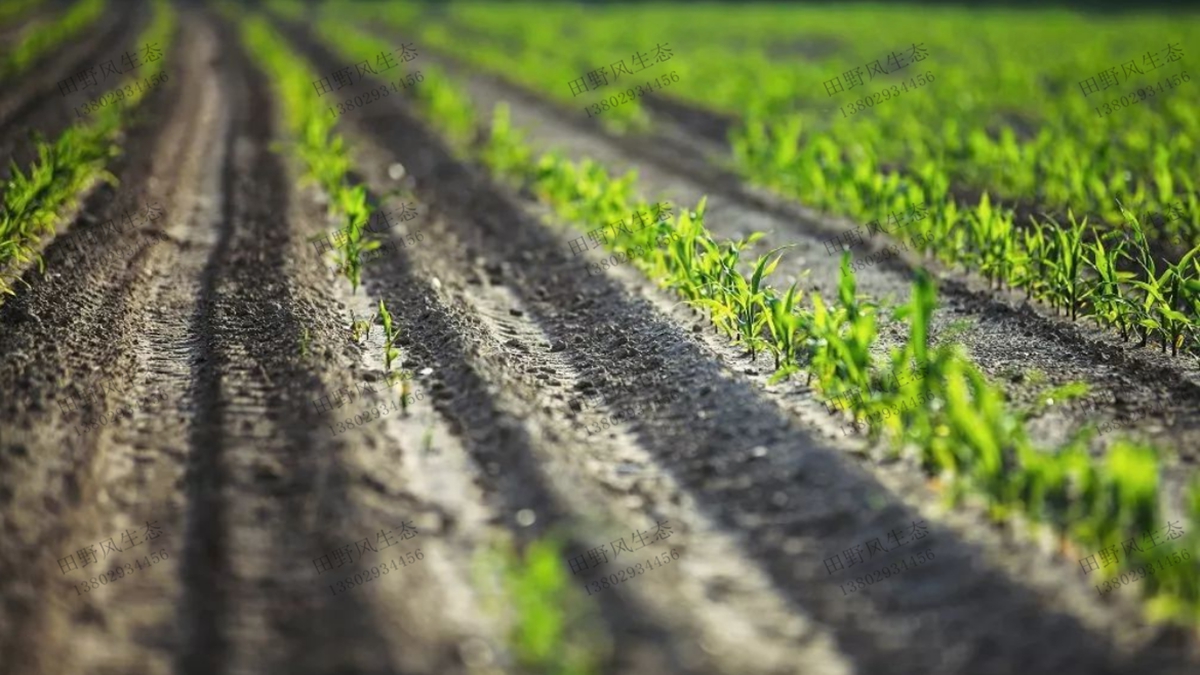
{"points": [[234, 472]]}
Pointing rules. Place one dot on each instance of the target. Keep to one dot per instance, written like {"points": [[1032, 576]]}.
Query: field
{"points": [[638, 330]]}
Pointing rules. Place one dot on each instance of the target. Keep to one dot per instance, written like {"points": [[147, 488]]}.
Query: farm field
{"points": [[571, 339]]}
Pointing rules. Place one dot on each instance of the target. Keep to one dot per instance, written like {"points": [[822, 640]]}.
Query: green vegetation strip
{"points": [[550, 629], [1108, 275], [66, 168], [960, 428], [36, 42]]}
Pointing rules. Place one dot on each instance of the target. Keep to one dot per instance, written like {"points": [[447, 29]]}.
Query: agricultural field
{"points": [[519, 288]]}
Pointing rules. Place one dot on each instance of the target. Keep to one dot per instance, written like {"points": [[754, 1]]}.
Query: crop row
{"points": [[326, 161], [34, 202], [1096, 272], [962, 429]]}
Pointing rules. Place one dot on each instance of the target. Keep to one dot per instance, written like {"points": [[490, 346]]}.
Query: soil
{"points": [[213, 343]]}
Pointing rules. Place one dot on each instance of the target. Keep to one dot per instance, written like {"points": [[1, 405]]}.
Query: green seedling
{"points": [[404, 377], [1059, 395], [391, 334], [304, 342], [16, 8], [1067, 266], [357, 213], [360, 329], [506, 151], [551, 629], [1109, 302], [789, 331]]}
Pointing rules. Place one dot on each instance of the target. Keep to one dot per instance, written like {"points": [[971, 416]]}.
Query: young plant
{"points": [[42, 37], [788, 330], [1068, 266], [1108, 303], [323, 153], [360, 329], [749, 302], [391, 334], [959, 423], [506, 151], [551, 630], [66, 167], [357, 213]]}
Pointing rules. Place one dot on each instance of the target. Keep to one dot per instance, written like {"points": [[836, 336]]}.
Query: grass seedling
{"points": [[1035, 268], [550, 630], [1068, 265], [357, 213], [391, 334], [749, 301], [34, 43], [405, 379], [1107, 301], [304, 342], [788, 332], [506, 151]]}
